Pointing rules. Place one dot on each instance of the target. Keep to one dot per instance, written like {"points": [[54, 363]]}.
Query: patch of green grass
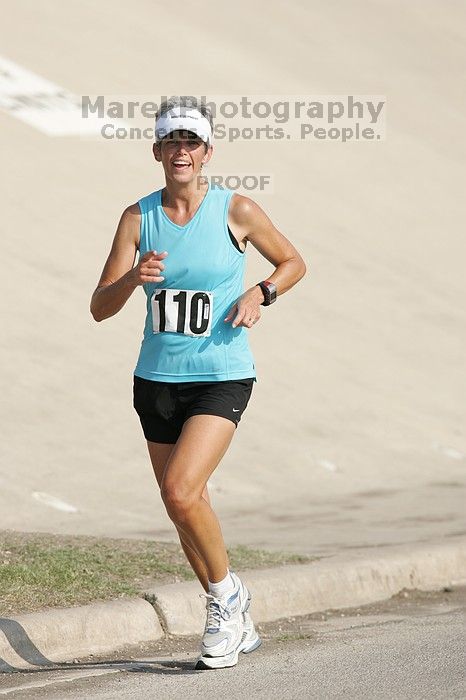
{"points": [[45, 570], [242, 557]]}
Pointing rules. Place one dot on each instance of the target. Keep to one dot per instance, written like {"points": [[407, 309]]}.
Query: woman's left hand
{"points": [[246, 311]]}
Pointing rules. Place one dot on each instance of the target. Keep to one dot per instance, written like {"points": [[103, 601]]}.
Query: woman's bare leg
{"points": [[197, 452], [159, 453]]}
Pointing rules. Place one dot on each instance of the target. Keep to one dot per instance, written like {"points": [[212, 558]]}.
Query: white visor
{"points": [[186, 119]]}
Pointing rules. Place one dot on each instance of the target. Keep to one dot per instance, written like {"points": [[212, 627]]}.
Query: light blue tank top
{"points": [[185, 336]]}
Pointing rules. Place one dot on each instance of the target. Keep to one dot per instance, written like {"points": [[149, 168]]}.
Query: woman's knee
{"points": [[177, 500]]}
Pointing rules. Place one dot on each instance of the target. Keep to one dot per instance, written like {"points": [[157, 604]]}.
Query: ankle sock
{"points": [[221, 588]]}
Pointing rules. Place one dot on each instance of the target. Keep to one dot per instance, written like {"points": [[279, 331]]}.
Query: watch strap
{"points": [[270, 292]]}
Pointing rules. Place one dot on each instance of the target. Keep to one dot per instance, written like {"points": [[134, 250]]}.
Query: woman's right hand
{"points": [[149, 268]]}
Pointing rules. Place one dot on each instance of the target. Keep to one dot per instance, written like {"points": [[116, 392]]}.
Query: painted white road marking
{"points": [[54, 502], [42, 104], [329, 466], [449, 451]]}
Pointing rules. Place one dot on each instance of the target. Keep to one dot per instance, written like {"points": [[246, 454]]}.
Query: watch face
{"points": [[270, 292]]}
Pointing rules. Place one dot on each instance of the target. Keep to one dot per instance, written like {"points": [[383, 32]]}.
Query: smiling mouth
{"points": [[180, 165]]}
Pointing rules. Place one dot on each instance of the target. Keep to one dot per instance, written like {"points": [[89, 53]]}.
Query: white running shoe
{"points": [[251, 639], [229, 628]]}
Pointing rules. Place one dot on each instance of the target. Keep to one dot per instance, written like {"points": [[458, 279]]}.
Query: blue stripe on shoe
{"points": [[232, 598]]}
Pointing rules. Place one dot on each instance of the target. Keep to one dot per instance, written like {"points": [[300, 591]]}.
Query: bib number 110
{"points": [[184, 311]]}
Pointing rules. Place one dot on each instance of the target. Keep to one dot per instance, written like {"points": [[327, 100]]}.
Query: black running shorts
{"points": [[163, 407]]}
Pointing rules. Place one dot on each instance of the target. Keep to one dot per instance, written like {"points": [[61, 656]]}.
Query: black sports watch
{"points": [[270, 292]]}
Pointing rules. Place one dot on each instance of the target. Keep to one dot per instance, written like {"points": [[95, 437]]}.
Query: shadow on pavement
{"points": [[24, 647]]}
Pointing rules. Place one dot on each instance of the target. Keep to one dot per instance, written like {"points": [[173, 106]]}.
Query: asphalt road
{"points": [[409, 647]]}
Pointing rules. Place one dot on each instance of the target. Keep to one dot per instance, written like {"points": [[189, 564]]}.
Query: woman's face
{"points": [[182, 154]]}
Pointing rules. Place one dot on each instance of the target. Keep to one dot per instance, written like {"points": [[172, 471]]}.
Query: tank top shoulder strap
{"points": [[222, 198], [149, 202], [148, 206]]}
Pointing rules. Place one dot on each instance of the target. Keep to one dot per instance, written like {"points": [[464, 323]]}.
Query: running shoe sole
{"points": [[214, 662], [249, 642]]}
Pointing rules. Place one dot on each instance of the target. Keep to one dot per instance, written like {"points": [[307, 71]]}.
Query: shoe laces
{"points": [[216, 611]]}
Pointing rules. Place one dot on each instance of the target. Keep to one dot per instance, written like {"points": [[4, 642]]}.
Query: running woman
{"points": [[195, 371]]}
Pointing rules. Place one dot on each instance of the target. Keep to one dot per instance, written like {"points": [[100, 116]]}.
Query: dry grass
{"points": [[45, 570]]}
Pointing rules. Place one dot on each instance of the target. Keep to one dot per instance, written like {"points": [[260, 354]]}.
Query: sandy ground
{"points": [[354, 435]]}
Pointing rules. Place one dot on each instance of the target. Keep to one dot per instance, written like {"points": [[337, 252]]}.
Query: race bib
{"points": [[184, 311]]}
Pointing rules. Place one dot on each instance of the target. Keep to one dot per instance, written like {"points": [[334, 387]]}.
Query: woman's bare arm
{"points": [[119, 278], [250, 222]]}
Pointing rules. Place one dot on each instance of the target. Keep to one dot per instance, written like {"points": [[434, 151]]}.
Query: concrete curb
{"points": [[358, 578], [364, 576], [63, 634]]}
